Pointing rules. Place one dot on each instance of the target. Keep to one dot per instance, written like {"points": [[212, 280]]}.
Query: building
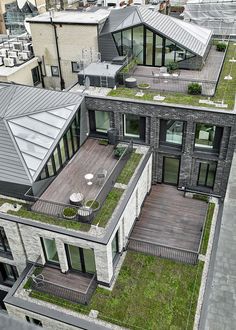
{"points": [[50, 150], [17, 62], [142, 32]]}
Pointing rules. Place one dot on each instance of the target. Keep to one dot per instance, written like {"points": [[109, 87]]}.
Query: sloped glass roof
{"points": [[35, 135]]}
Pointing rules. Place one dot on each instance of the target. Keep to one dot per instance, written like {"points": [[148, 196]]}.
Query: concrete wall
{"points": [[72, 39], [48, 323], [19, 75], [189, 157]]}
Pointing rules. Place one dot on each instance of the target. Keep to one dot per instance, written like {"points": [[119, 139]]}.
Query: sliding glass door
{"points": [[81, 259], [171, 170]]}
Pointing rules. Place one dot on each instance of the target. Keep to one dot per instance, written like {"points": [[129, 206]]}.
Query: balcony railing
{"points": [[75, 287]]}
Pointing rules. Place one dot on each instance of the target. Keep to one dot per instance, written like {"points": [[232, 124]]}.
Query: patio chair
{"points": [[38, 280], [101, 176]]}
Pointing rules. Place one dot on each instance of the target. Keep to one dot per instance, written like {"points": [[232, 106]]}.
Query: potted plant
{"points": [[69, 213], [118, 151], [143, 86], [93, 204], [172, 66], [103, 142], [194, 89], [221, 47]]}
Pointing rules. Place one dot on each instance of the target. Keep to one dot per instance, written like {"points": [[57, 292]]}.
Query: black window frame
{"points": [[92, 124], [73, 64], [116, 239], [3, 277], [54, 264], [142, 128], [52, 68], [38, 80], [205, 185], [163, 132], [82, 259], [4, 248], [215, 149], [32, 320]]}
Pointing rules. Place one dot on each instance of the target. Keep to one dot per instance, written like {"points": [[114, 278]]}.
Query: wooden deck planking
{"points": [[89, 158], [170, 219], [74, 281]]}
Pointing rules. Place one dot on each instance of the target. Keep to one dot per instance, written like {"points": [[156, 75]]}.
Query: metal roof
{"points": [[32, 120], [189, 36]]}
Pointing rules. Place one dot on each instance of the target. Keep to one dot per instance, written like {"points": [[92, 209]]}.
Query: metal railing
{"points": [[82, 213], [159, 250], [41, 284]]}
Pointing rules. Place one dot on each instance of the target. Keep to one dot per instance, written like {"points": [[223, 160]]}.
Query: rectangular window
{"points": [[75, 66], [8, 274], [69, 143], [55, 71], [4, 245], [50, 168], [33, 321], [138, 43], [50, 250], [115, 246], [149, 47], [81, 259], [35, 75], [206, 174], [134, 126], [99, 122], [56, 160], [62, 151], [171, 132], [208, 137]]}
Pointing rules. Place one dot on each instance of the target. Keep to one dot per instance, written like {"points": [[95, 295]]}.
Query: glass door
{"points": [[171, 170], [50, 250], [80, 259]]}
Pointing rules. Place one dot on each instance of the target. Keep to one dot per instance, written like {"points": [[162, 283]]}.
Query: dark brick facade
{"points": [[189, 158]]}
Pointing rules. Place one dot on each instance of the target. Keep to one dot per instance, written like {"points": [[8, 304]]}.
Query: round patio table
{"points": [[76, 198]]}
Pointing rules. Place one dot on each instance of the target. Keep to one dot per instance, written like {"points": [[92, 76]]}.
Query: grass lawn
{"points": [[207, 229], [150, 293], [105, 213], [24, 213], [225, 89], [129, 168]]}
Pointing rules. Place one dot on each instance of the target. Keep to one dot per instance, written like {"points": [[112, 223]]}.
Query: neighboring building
{"points": [[49, 148], [69, 41], [218, 16], [17, 62]]}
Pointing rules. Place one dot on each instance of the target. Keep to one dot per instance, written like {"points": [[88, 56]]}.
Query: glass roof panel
{"points": [[32, 162], [31, 136], [31, 148], [49, 118], [37, 126], [62, 112]]}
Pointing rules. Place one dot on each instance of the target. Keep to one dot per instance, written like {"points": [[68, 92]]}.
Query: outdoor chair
{"points": [[38, 280], [101, 176]]}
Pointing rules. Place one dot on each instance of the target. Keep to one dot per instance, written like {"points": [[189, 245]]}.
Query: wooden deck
{"points": [[168, 218], [89, 159], [72, 281]]}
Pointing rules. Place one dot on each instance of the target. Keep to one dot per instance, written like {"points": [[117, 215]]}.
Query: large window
{"points": [[134, 126], [148, 47], [4, 245], [35, 75], [206, 174], [50, 250], [8, 274], [99, 122], [115, 246], [171, 132], [81, 259], [208, 137]]}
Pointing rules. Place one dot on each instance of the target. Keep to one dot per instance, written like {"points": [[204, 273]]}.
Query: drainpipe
{"points": [[41, 72], [62, 82]]}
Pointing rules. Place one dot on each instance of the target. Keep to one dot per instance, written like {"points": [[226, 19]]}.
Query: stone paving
{"points": [[221, 313]]}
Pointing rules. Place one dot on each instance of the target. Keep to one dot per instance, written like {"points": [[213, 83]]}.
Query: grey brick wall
{"points": [[189, 157]]}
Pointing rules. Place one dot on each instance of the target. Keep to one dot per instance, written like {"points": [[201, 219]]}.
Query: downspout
{"points": [[41, 73], [62, 82]]}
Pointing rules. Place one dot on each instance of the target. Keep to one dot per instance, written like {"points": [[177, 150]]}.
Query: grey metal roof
{"points": [[190, 36], [32, 121]]}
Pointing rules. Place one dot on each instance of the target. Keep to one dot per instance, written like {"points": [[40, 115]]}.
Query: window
{"points": [[115, 246], [35, 75], [134, 126], [75, 66], [33, 321], [99, 122], [206, 174], [171, 132], [208, 137], [8, 274], [81, 259], [50, 250], [4, 245], [55, 71]]}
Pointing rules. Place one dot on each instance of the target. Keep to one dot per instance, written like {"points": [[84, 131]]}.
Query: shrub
{"points": [[103, 142], [194, 89], [118, 151], [143, 85], [221, 47], [94, 205], [69, 212], [172, 66]]}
